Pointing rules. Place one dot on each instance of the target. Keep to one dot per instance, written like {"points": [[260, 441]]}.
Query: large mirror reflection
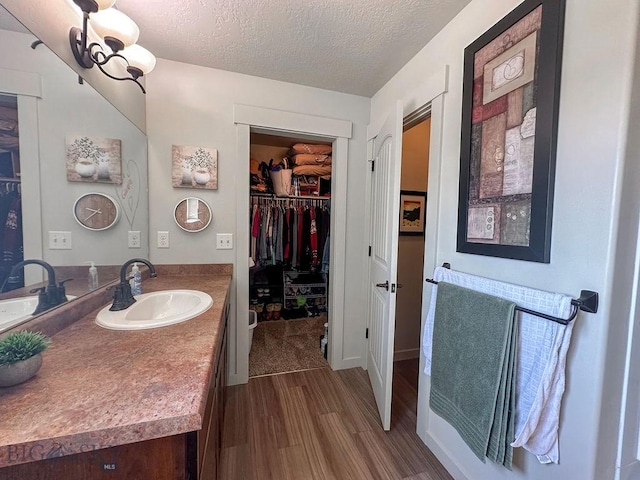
{"points": [[60, 141]]}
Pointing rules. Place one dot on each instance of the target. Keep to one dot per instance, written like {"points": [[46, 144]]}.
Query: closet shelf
{"points": [[292, 197], [305, 295]]}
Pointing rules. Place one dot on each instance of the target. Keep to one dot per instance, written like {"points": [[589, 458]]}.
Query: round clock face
{"points": [[96, 211], [192, 214]]}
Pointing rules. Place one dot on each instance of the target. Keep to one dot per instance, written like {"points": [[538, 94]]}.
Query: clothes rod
{"points": [[587, 302]]}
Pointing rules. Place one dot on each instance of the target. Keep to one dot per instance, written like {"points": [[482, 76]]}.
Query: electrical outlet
{"points": [[134, 239], [163, 239], [224, 241], [59, 240]]}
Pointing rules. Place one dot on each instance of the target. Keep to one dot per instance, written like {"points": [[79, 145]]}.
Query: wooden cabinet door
{"points": [[210, 437]]}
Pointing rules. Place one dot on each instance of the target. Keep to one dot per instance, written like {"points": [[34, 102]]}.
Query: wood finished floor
{"points": [[322, 425]]}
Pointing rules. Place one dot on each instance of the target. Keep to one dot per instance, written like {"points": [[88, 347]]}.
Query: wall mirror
{"points": [[38, 168]]}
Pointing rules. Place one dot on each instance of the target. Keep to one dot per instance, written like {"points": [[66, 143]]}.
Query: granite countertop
{"points": [[99, 388]]}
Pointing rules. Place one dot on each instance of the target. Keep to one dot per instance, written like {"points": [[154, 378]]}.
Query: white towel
{"points": [[542, 349]]}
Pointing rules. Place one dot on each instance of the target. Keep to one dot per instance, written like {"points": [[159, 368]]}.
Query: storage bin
{"points": [[253, 322]]}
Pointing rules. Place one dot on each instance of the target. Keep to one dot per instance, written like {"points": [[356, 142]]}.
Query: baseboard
{"points": [[345, 363], [406, 354], [443, 456], [234, 379]]}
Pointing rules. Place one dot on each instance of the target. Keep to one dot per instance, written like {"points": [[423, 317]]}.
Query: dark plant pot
{"points": [[19, 372]]}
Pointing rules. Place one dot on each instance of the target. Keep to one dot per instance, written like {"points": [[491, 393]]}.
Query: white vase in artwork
{"points": [[103, 171], [201, 176], [85, 168], [187, 177]]}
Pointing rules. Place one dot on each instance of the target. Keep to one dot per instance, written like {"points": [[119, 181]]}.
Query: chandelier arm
{"points": [[99, 58], [135, 80]]}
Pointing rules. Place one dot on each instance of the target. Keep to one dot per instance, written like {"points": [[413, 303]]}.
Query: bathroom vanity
{"points": [[123, 404]]}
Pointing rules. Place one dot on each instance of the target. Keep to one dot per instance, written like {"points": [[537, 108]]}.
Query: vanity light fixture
{"points": [[118, 32]]}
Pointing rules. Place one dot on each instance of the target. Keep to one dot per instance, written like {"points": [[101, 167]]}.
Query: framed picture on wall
{"points": [[509, 130], [93, 159], [412, 210]]}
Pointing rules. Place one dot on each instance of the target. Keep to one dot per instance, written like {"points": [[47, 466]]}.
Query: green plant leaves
{"points": [[19, 346]]}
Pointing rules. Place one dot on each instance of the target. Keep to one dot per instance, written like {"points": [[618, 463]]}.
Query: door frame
{"points": [[432, 91], [248, 118], [27, 87]]}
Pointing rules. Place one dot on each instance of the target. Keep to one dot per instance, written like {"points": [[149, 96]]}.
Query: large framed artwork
{"points": [[509, 130]]}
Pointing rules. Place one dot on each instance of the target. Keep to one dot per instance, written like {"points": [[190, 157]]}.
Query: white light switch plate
{"points": [[224, 241], [59, 240]]}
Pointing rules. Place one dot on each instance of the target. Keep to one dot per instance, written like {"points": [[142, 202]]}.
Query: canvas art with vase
{"points": [[194, 167], [93, 159]]}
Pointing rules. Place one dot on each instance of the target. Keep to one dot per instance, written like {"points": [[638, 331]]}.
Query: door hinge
{"points": [[369, 250], [373, 165], [366, 333]]}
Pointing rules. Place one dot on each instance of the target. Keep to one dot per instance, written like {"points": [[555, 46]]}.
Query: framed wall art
{"points": [[412, 211], [94, 159], [194, 167], [509, 132]]}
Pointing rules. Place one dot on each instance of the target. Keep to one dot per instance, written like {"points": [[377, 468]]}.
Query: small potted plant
{"points": [[20, 357]]}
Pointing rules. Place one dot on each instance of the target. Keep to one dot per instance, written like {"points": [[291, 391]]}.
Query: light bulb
{"points": [[115, 24], [140, 58]]}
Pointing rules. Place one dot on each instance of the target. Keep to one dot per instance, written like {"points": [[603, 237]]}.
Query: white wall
{"points": [[191, 105], [67, 108], [50, 21], [598, 45], [415, 164]]}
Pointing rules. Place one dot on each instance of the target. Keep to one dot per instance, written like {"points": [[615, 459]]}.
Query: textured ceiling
{"points": [[351, 46]]}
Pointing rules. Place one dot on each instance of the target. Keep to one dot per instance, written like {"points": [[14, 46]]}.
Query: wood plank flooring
{"points": [[324, 425]]}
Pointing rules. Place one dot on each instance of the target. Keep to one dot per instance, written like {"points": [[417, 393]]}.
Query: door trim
{"points": [[281, 122], [26, 86]]}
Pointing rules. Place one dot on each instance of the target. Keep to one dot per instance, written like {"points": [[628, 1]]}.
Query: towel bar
{"points": [[587, 302]]}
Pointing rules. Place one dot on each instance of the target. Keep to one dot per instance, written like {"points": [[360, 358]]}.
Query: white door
{"points": [[384, 205]]}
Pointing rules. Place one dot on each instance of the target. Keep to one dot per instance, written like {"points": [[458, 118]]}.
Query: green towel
{"points": [[473, 369]]}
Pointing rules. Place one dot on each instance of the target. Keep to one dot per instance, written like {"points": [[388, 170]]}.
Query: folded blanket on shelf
{"points": [[308, 148], [311, 159], [317, 170]]}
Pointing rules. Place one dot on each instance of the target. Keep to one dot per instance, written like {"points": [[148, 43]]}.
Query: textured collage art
{"points": [[503, 135]]}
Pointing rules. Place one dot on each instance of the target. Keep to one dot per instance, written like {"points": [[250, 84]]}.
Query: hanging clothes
{"points": [[289, 232]]}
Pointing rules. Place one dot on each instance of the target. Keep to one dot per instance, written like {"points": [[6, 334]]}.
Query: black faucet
{"points": [[48, 297], [122, 296]]}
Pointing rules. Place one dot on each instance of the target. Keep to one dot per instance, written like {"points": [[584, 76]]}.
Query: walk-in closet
{"points": [[11, 243], [289, 218]]}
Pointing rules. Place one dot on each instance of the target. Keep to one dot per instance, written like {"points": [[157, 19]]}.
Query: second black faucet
{"points": [[122, 296]]}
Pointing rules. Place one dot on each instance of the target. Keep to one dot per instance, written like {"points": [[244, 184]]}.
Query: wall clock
{"points": [[192, 214], [96, 211]]}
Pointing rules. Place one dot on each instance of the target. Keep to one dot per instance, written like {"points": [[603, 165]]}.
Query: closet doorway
{"points": [[11, 238], [251, 119], [289, 225]]}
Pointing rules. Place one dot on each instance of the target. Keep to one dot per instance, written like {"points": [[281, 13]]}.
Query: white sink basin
{"points": [[14, 310], [156, 309]]}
